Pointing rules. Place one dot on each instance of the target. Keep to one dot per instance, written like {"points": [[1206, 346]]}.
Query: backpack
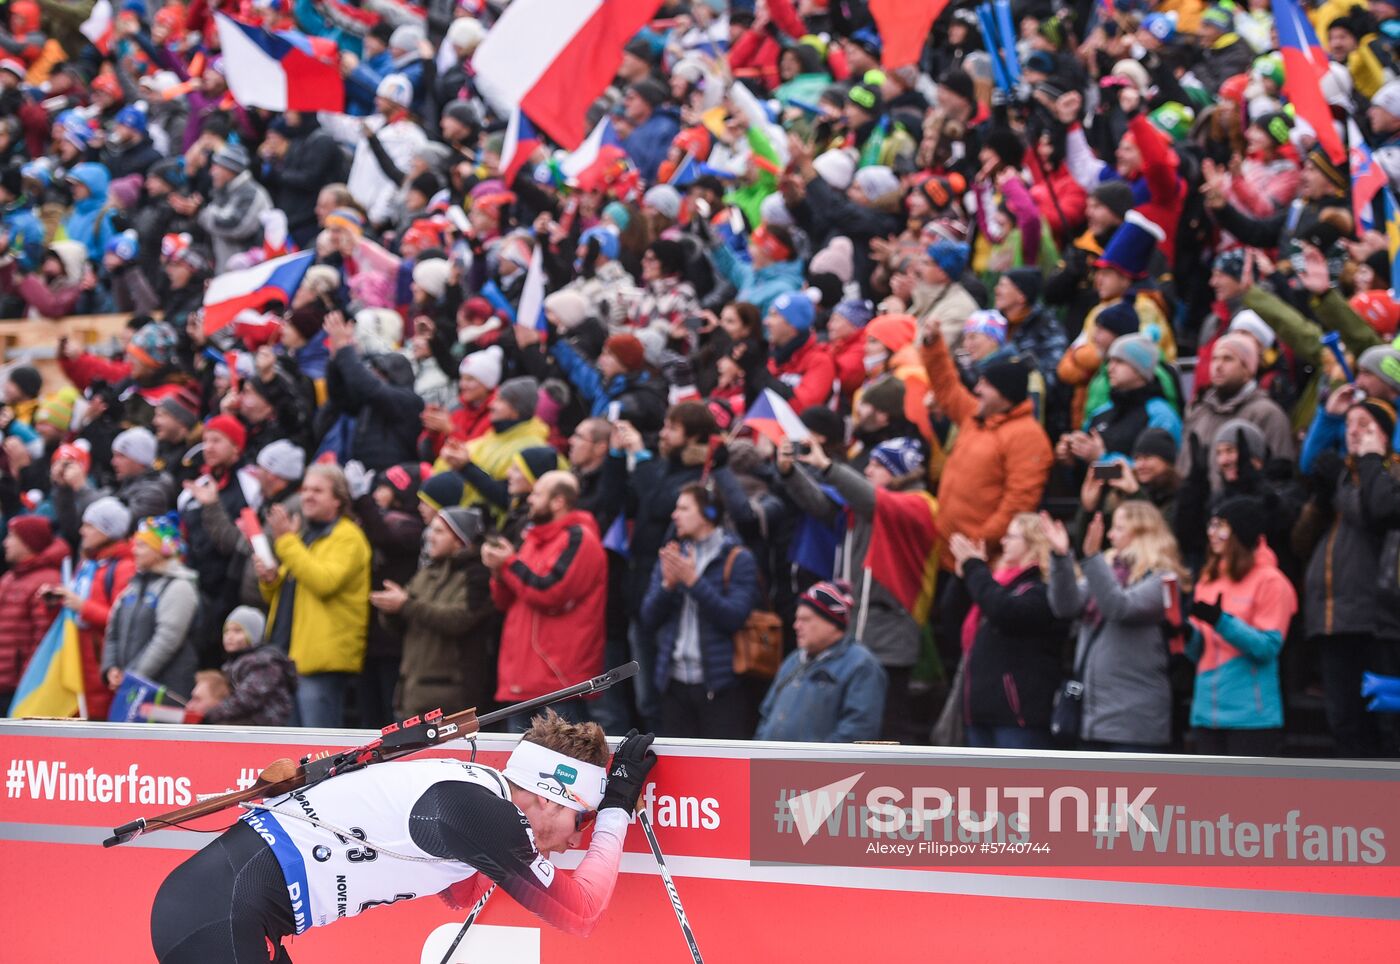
{"points": [[758, 646]]}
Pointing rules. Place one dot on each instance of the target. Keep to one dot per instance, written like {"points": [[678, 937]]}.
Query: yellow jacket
{"points": [[330, 608]]}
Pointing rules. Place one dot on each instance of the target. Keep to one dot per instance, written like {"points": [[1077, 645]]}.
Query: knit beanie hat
{"points": [[464, 523], [858, 311], [1155, 442], [431, 276], [836, 168], [1139, 351], [627, 350], [522, 394], [831, 601], [1011, 379], [109, 516], [1238, 430], [443, 490], [1117, 196], [1383, 361], [250, 620], [1246, 517], [886, 395], [484, 366], [153, 344], [899, 456], [56, 409], [161, 533], [1243, 347], [535, 461], [1384, 415], [1029, 281], [795, 308], [951, 256], [230, 428], [28, 380], [137, 444], [664, 200], [989, 322], [824, 422], [1230, 263], [35, 531], [1249, 322], [183, 406], [568, 307], [1121, 318], [284, 459]]}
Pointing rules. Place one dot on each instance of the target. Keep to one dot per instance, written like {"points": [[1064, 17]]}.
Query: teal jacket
{"points": [[759, 287]]}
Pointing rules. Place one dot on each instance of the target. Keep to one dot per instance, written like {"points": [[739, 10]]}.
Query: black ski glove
{"points": [[1206, 612], [627, 774]]}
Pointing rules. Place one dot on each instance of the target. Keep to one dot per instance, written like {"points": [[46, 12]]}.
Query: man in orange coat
{"points": [[1001, 458]]}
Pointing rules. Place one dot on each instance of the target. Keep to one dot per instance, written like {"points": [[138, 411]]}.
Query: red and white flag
{"points": [[552, 58]]}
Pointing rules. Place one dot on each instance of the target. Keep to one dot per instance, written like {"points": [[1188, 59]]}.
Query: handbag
{"points": [[758, 646], [1067, 710], [950, 728]]}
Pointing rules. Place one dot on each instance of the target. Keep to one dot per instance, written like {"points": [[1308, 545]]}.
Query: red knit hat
{"points": [[34, 531], [627, 350], [230, 428]]}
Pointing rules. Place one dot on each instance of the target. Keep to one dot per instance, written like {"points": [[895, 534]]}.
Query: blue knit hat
{"points": [[951, 256], [609, 245], [858, 311], [899, 456], [795, 308], [989, 322], [124, 245], [1131, 246], [133, 117]]}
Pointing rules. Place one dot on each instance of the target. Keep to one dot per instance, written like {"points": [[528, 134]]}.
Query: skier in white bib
{"points": [[410, 829]]}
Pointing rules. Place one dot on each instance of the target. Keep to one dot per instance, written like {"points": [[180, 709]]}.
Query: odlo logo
{"points": [[565, 774]]}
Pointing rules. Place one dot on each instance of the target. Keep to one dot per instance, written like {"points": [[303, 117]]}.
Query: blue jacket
{"points": [[757, 286], [91, 220], [361, 83], [839, 697], [722, 613], [588, 381], [1243, 693], [651, 141], [26, 235], [1329, 431]]}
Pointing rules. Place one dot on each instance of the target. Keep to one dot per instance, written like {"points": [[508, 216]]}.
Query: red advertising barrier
{"points": [[66, 898]]}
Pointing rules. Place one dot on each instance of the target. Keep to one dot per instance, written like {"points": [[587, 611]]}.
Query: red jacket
{"points": [[1159, 167], [114, 570], [810, 373], [468, 422], [554, 593], [24, 615], [848, 356]]}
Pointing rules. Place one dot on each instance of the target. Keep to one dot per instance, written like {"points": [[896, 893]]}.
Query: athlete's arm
{"points": [[468, 822]]}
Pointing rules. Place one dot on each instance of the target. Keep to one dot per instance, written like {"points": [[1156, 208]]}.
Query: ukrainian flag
{"points": [[1392, 238], [53, 680]]}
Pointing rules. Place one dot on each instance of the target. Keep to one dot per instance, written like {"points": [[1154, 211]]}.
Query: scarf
{"points": [[1004, 577]]}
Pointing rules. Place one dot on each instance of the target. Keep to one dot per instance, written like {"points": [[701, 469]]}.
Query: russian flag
{"points": [[604, 134], [552, 58], [280, 71], [532, 293], [1304, 66], [232, 291], [521, 141], [771, 416]]}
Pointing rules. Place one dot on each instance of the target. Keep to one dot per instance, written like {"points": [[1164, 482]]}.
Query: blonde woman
{"points": [[1011, 638], [1121, 656]]}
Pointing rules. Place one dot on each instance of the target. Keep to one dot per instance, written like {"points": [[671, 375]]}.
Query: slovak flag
{"points": [[554, 57], [280, 71], [232, 291], [604, 134], [1367, 178], [771, 416], [521, 141], [1304, 66]]}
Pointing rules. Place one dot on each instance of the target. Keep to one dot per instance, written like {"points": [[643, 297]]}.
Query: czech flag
{"points": [[232, 291], [1367, 179], [604, 134], [552, 58], [532, 293], [280, 71], [1304, 66], [771, 416], [53, 681], [521, 141]]}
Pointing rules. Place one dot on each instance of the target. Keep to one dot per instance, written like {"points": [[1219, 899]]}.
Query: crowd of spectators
{"points": [[1095, 376]]}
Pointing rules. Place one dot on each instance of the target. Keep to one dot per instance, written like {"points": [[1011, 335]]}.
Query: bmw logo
{"points": [[321, 852]]}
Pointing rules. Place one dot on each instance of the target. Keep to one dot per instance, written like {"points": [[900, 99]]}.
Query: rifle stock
{"points": [[395, 741]]}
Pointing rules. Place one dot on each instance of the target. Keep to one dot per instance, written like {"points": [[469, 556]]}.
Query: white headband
{"points": [[554, 776]]}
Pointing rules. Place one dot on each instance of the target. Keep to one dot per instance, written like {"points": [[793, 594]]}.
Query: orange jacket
{"points": [[997, 466]]}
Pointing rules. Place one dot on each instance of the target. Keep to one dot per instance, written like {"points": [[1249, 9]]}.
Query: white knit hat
{"points": [[283, 459], [836, 168], [431, 276], [109, 516], [484, 366], [137, 444], [396, 89]]}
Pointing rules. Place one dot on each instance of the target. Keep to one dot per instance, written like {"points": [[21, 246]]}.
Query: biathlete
{"points": [[409, 829]]}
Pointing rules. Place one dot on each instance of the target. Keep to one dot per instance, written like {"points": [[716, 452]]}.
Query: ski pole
{"points": [[477, 908], [645, 821]]}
